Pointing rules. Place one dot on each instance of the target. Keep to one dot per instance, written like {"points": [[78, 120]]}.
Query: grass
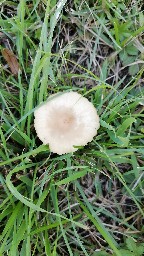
{"points": [[90, 202]]}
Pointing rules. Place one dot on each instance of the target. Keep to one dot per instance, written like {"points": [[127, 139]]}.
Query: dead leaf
{"points": [[11, 60]]}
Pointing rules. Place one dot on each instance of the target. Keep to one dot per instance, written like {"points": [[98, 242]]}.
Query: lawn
{"points": [[90, 202]]}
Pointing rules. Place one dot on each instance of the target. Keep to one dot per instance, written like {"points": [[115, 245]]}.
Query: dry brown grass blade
{"points": [[11, 60]]}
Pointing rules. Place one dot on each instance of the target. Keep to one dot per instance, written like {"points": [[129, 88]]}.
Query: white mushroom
{"points": [[66, 120]]}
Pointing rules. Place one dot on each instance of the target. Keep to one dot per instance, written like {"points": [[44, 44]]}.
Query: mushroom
{"points": [[66, 122]]}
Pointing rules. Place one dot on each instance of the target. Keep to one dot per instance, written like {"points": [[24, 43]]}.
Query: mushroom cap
{"points": [[66, 120]]}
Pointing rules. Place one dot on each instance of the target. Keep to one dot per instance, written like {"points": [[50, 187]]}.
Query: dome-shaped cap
{"points": [[65, 121]]}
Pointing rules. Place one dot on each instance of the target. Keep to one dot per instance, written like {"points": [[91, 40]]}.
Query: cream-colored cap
{"points": [[66, 120]]}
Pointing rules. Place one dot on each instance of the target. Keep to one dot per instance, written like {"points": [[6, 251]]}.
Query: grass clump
{"points": [[89, 202]]}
